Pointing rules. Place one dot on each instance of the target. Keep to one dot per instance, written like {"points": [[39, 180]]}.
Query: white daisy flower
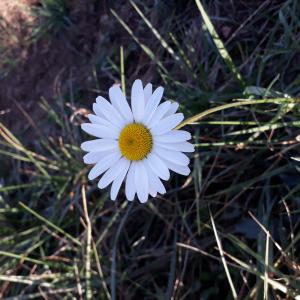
{"points": [[138, 145]]}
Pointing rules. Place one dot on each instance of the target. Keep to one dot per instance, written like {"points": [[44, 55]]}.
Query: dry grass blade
{"points": [[266, 293], [275, 284], [220, 248], [122, 69], [14, 143], [88, 290]]}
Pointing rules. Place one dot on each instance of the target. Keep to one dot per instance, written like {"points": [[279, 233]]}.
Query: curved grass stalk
{"points": [[234, 104]]}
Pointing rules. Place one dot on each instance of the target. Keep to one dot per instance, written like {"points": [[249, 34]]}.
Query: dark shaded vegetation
{"points": [[240, 203]]}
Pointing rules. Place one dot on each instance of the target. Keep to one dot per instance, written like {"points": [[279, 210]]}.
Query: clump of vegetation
{"points": [[52, 16], [230, 229]]}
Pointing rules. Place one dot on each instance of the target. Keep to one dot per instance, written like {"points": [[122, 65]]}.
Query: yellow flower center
{"points": [[135, 141]]}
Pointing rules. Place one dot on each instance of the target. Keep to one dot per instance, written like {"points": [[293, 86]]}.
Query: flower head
{"points": [[138, 145]]}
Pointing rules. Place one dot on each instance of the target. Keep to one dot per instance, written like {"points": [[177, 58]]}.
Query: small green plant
{"points": [[53, 17]]}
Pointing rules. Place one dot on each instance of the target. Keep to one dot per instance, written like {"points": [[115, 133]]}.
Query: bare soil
{"points": [[43, 68]]}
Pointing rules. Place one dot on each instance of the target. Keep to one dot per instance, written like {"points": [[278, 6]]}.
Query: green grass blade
{"points": [[146, 49], [201, 115], [219, 44], [50, 224], [266, 128]]}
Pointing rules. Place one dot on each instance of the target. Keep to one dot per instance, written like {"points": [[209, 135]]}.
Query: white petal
{"points": [[100, 131], [181, 146], [99, 145], [119, 101], [118, 182], [158, 115], [94, 157], [157, 165], [130, 188], [98, 110], [104, 164], [113, 172], [152, 104], [152, 192], [167, 124], [137, 100], [183, 170], [99, 120], [172, 156], [173, 108], [154, 182], [147, 92], [105, 109], [173, 136], [141, 182]]}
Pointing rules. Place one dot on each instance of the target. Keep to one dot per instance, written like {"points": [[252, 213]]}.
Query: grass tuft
{"points": [[231, 228]]}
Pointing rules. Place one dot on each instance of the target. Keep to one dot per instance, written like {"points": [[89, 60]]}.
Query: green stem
{"points": [[234, 104]]}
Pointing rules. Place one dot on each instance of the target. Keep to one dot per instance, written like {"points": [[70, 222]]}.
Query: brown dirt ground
{"points": [[30, 70]]}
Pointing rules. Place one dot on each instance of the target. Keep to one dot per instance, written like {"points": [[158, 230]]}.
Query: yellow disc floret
{"points": [[135, 141]]}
